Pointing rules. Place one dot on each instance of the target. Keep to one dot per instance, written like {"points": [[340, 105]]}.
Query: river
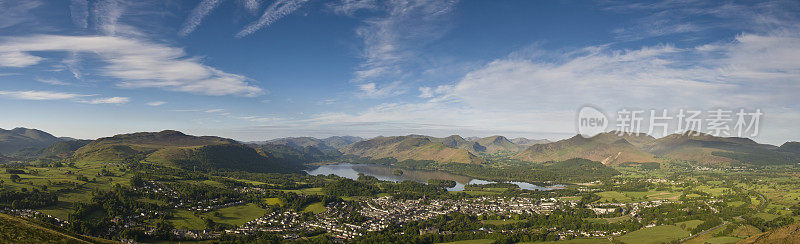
{"points": [[385, 173]]}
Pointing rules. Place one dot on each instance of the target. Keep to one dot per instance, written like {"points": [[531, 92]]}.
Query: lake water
{"points": [[385, 173]]}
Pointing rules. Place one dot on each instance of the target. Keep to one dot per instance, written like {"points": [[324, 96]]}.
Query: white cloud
{"points": [[13, 12], [79, 11], [391, 39], [108, 100], [371, 90], [217, 110], [275, 11], [139, 64], [51, 81], [107, 14], [18, 59], [252, 5], [429, 92], [349, 7], [40, 95], [156, 103], [533, 95], [196, 16], [73, 64]]}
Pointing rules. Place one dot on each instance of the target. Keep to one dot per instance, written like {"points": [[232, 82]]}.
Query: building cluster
{"points": [[379, 213]]}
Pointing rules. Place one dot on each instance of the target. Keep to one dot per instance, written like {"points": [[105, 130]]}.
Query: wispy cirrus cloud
{"points": [[156, 103], [393, 36], [52, 81], [668, 17], [14, 12], [79, 12], [196, 16], [108, 100], [252, 5], [18, 59], [41, 95], [54, 96], [275, 11], [107, 14], [536, 94], [136, 63], [372, 90]]}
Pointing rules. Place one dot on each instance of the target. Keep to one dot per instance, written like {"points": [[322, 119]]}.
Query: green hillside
{"points": [[175, 149], [410, 147], [225, 157], [608, 148], [17, 230], [712, 150]]}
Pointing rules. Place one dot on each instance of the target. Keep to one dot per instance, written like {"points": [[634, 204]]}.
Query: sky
{"points": [[254, 70]]}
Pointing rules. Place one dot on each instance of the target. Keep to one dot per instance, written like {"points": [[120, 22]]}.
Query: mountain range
{"points": [[14, 140], [176, 149]]}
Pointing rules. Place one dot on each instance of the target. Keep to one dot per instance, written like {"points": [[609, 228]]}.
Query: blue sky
{"points": [[261, 69]]}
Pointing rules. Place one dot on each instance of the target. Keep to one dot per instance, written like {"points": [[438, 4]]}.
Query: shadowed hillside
{"points": [[22, 138], [175, 149], [708, 149], [494, 144]]}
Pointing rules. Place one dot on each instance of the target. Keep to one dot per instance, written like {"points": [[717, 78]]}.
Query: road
{"points": [[704, 232]]}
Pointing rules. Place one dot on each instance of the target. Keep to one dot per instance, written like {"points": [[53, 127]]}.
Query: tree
{"points": [[15, 178]]}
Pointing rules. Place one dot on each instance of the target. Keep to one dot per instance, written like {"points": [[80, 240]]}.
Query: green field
{"points": [[478, 241], [609, 220], [237, 215], [17, 230], [573, 241], [689, 225], [316, 208], [657, 234], [632, 196], [273, 201], [499, 221], [307, 191]]}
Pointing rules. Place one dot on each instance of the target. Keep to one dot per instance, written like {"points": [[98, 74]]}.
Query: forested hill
{"points": [[175, 149]]}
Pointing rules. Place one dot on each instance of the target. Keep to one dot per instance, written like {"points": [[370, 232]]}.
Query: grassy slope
{"points": [[607, 148], [657, 234], [17, 230], [786, 234], [409, 147]]}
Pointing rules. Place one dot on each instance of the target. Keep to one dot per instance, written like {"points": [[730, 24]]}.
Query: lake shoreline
{"points": [[387, 173]]}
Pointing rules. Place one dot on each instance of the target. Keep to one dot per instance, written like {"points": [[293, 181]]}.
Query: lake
{"points": [[385, 173]]}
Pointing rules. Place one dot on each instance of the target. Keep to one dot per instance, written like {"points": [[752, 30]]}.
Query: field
{"points": [[630, 196], [689, 225], [236, 215], [478, 241], [273, 201], [573, 241], [609, 220], [499, 221], [315, 208], [307, 191], [657, 234]]}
